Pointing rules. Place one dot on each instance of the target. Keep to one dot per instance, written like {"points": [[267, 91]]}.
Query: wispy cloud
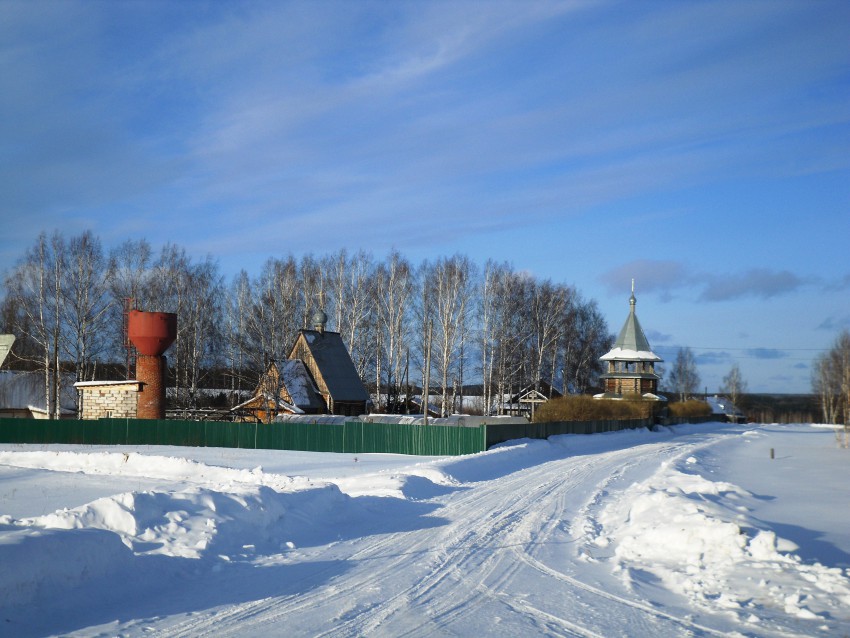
{"points": [[766, 353], [665, 277], [834, 323], [713, 358], [650, 275], [656, 337], [761, 283]]}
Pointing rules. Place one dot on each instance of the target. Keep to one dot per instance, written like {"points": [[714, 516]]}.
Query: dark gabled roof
{"points": [[335, 364]]}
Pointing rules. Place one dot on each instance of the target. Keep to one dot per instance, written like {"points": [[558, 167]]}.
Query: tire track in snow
{"points": [[461, 602], [468, 565], [454, 548]]}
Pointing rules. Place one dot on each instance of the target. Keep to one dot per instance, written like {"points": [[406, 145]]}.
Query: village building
{"points": [[283, 389], [525, 402], [630, 364], [22, 396], [319, 377], [330, 365], [109, 399]]}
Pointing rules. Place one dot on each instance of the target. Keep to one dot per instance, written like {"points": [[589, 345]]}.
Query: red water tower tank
{"points": [[152, 333]]}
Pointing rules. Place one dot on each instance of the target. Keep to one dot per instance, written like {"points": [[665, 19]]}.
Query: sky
{"points": [[699, 148]]}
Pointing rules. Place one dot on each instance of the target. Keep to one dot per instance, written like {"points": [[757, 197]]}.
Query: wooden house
{"points": [[327, 359], [284, 389]]}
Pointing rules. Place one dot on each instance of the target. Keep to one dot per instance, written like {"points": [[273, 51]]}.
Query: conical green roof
{"points": [[631, 344]]}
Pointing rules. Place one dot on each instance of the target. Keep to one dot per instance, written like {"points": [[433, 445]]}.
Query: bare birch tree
{"points": [[450, 286], [831, 380], [275, 320], [238, 309], [200, 323], [486, 319], [31, 283], [311, 277], [511, 334], [548, 303], [350, 289], [826, 384], [86, 302], [684, 378], [393, 289], [734, 384]]}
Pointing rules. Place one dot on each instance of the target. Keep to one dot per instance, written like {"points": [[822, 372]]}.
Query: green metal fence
{"points": [[352, 437], [501, 432]]}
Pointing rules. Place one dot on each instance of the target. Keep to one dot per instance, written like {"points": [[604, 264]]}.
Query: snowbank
{"points": [[698, 538], [611, 534]]}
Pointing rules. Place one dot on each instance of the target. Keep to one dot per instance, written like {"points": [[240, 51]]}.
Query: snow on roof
{"points": [[616, 396], [93, 384], [464, 420], [625, 354], [722, 405], [281, 404], [25, 390], [300, 385]]}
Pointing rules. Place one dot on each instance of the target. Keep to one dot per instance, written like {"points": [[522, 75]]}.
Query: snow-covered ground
{"points": [[685, 531]]}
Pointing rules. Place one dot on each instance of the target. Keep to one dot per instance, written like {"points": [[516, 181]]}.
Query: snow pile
{"points": [[231, 515], [696, 536], [45, 564], [131, 464]]}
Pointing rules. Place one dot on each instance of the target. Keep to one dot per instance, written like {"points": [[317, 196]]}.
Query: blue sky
{"points": [[702, 148]]}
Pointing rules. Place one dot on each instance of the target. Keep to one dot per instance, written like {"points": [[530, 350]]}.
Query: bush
{"points": [[583, 407], [689, 408]]}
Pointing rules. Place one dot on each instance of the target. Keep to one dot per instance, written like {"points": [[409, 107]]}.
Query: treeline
{"points": [[440, 324]]}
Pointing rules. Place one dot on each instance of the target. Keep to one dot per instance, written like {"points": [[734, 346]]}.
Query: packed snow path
{"points": [[606, 535]]}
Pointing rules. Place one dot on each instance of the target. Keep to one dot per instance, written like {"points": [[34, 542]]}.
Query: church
{"points": [[630, 364]]}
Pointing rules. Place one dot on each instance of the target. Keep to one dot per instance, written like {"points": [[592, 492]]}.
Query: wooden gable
{"points": [[328, 361]]}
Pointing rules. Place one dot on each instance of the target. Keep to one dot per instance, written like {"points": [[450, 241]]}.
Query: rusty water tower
{"points": [[151, 333]]}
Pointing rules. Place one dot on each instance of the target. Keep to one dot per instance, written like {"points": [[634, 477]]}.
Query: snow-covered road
{"points": [[626, 534]]}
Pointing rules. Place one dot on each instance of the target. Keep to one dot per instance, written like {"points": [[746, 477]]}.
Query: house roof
{"points": [[263, 401], [298, 382], [723, 405], [25, 390], [291, 375], [631, 344], [334, 363], [544, 391]]}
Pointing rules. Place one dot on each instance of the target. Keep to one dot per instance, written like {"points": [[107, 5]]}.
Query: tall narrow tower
{"points": [[631, 362], [152, 333]]}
